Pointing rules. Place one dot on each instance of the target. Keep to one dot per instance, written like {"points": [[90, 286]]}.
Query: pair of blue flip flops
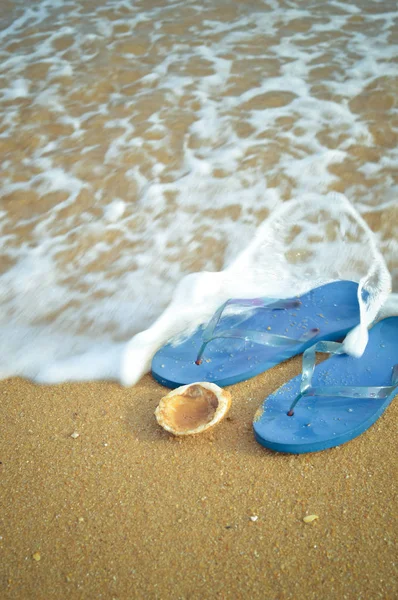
{"points": [[329, 404]]}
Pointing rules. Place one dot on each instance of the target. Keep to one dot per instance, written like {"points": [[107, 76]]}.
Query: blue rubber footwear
{"points": [[234, 348], [334, 402]]}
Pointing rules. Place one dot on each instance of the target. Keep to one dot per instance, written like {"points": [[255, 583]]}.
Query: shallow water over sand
{"points": [[141, 141]]}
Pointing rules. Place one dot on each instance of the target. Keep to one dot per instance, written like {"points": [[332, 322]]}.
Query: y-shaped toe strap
{"points": [[259, 337], [306, 389]]}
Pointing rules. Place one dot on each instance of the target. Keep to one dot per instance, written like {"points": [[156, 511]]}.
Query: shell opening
{"points": [[195, 407]]}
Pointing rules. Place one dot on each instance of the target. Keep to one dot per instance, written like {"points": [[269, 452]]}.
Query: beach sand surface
{"points": [[125, 510], [140, 142]]}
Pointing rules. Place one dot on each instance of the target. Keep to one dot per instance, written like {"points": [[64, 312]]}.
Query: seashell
{"points": [[193, 408], [310, 518]]}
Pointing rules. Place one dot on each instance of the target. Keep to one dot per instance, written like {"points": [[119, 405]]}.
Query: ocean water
{"points": [[141, 142]]}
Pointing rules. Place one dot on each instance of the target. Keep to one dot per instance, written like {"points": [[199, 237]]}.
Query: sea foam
{"points": [[159, 159]]}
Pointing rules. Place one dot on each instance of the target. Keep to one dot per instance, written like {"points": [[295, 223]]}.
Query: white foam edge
{"points": [[199, 294]]}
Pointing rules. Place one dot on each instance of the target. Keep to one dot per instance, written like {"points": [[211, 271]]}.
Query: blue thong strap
{"points": [[259, 337], [306, 389]]}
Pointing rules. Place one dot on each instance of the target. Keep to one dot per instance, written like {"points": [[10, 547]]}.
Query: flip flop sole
{"points": [[319, 423], [332, 308]]}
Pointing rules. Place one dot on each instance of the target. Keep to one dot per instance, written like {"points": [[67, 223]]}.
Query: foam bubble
{"points": [[17, 89], [115, 210]]}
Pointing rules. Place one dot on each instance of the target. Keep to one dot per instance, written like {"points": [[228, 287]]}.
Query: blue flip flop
{"points": [[233, 348], [334, 402]]}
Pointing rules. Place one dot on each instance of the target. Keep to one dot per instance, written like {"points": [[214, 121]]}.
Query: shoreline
{"points": [[143, 142]]}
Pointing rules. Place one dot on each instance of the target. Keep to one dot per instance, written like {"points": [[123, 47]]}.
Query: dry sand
{"points": [[125, 510]]}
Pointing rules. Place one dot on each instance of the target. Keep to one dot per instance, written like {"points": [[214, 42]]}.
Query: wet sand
{"points": [[126, 510], [143, 141]]}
